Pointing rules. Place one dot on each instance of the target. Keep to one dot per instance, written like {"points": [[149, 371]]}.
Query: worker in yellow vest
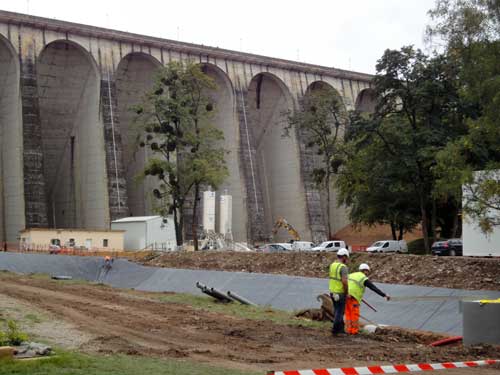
{"points": [[357, 283], [338, 290]]}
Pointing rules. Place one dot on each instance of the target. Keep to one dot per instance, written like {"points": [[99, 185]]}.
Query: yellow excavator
{"points": [[282, 223]]}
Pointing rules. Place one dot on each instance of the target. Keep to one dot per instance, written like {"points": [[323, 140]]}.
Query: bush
{"points": [[12, 336], [3, 339]]}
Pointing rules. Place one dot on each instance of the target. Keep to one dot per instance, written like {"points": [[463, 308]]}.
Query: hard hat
{"points": [[364, 266], [343, 252]]}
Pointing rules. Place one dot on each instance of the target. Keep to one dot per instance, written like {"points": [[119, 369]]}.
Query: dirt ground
{"points": [[447, 272], [131, 322]]}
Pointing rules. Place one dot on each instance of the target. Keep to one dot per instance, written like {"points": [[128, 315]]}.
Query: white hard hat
{"points": [[364, 266], [343, 252]]}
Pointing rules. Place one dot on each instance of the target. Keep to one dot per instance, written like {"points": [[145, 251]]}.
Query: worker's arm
{"points": [[344, 273], [372, 286]]}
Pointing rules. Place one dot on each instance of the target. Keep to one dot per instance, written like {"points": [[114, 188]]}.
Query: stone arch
{"points": [[72, 137], [278, 157], [226, 120], [339, 214], [366, 101], [12, 218], [134, 77]]}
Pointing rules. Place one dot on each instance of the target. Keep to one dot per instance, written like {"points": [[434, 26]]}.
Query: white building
{"points": [[147, 233]]}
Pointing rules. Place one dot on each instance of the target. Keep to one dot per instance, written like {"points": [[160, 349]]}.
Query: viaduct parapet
{"points": [[68, 154]]}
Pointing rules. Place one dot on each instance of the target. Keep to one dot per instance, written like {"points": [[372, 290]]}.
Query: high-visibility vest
{"points": [[356, 283], [335, 284]]}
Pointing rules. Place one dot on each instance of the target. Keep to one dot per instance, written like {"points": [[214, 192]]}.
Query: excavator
{"points": [[282, 223]]}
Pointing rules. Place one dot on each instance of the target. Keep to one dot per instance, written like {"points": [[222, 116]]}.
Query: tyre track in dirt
{"points": [[132, 322]]}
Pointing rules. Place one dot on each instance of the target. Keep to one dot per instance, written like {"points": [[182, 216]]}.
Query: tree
{"points": [[320, 121], [470, 31], [374, 186], [418, 112], [175, 119]]}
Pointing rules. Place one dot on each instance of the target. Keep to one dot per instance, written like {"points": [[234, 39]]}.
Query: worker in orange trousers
{"points": [[357, 283]]}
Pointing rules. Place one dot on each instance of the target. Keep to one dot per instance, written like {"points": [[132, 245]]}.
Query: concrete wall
{"points": [[77, 81], [11, 142], [43, 237]]}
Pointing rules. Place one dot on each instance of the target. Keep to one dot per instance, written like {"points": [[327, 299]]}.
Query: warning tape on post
{"points": [[388, 369]]}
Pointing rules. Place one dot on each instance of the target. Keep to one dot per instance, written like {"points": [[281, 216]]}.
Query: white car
{"points": [[388, 246], [330, 246], [275, 247]]}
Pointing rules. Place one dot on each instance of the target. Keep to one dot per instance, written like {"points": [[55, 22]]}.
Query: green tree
{"points": [[418, 112], [175, 122], [320, 121], [470, 33], [374, 186]]}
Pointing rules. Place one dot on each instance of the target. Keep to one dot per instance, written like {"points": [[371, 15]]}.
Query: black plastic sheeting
{"points": [[433, 309]]}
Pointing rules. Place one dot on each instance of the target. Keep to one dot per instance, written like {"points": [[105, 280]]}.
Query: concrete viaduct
{"points": [[68, 156]]}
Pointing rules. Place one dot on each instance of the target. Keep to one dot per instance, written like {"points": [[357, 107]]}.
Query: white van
{"points": [[388, 246], [330, 246], [302, 245]]}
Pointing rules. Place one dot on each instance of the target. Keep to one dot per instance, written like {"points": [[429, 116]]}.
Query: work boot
{"points": [[339, 334]]}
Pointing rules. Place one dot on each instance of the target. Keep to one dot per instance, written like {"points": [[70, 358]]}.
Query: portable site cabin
{"points": [[147, 233], [475, 241]]}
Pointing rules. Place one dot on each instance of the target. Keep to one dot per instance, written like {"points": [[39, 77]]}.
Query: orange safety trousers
{"points": [[352, 316]]}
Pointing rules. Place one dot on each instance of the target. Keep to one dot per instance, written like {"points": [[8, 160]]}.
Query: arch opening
{"points": [[225, 119], [366, 101], [134, 77], [339, 216], [278, 157], [12, 218], [72, 137]]}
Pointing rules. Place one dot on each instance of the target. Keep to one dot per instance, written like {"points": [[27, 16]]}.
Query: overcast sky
{"points": [[347, 34]]}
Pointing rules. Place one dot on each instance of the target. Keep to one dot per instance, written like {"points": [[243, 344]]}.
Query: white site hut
{"points": [[147, 233], [475, 241]]}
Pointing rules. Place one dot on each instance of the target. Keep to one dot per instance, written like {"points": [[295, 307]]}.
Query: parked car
{"points": [[302, 245], [275, 247], [452, 247], [388, 246], [330, 246]]}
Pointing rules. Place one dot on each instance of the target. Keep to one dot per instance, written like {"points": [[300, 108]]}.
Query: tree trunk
{"points": [[401, 231], [393, 230], [434, 220], [455, 223], [178, 237], [179, 225], [194, 226], [328, 213], [425, 229]]}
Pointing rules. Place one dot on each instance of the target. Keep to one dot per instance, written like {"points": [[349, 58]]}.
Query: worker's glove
{"points": [[388, 298], [336, 297]]}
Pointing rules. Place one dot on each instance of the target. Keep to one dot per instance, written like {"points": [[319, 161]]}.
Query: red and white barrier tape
{"points": [[389, 369]]}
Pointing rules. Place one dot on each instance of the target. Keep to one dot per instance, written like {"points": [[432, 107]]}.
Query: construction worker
{"points": [[338, 290], [357, 282], [107, 262]]}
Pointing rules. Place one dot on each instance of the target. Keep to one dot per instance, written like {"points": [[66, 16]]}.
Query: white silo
{"points": [[209, 211], [226, 214]]}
